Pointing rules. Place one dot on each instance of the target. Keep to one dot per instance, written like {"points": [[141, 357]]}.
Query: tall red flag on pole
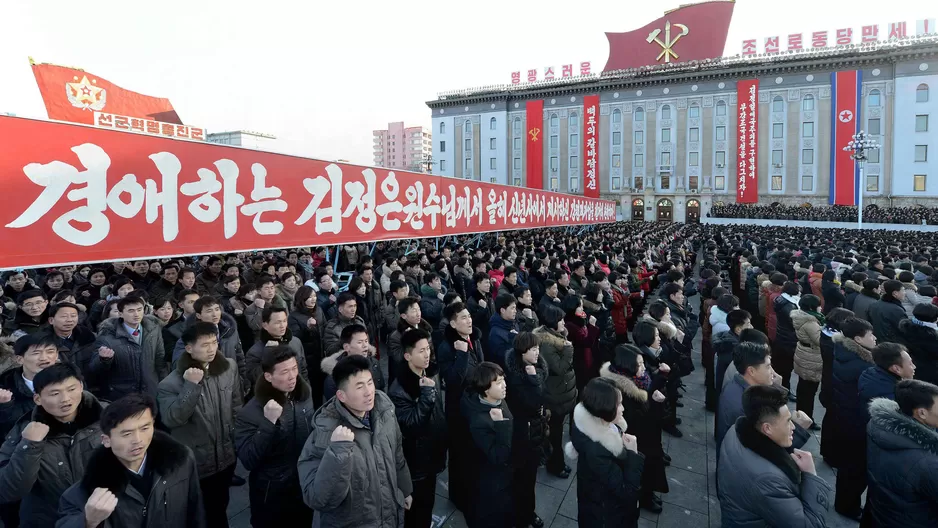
{"points": [[845, 122], [535, 139], [74, 95]]}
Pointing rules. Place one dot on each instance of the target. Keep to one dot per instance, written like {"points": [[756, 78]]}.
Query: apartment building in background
{"points": [[404, 148]]}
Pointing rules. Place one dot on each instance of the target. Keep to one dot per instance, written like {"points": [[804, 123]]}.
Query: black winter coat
{"points": [[833, 296], [489, 457], [22, 402], [420, 415], [527, 401], [875, 383], [481, 315], [885, 316], [841, 444], [785, 336], [922, 343], [827, 370]]}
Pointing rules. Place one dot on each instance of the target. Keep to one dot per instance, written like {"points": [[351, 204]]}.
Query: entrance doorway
{"points": [[638, 210], [692, 216], [665, 210]]}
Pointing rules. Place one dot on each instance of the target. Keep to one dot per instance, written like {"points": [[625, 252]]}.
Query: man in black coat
{"points": [[786, 341], [75, 342], [888, 312], [418, 402], [920, 335]]}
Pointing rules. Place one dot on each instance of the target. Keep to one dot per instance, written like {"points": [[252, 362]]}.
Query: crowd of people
{"points": [[836, 213], [129, 391]]}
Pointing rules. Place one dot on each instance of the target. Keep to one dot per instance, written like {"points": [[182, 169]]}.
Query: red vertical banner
{"points": [[845, 122], [747, 141], [591, 146], [535, 139]]}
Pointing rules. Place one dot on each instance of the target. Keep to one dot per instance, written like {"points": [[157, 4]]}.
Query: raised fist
{"points": [[630, 442], [530, 370], [343, 434], [105, 352], [194, 375], [100, 506], [664, 368], [461, 346], [5, 396], [527, 313], [658, 397], [35, 431], [483, 304], [592, 321], [805, 461], [272, 411], [427, 382], [260, 303], [311, 322], [496, 415]]}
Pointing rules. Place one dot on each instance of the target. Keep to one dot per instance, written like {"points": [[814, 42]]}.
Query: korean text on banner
{"points": [[535, 143], [747, 141], [84, 194], [845, 119], [591, 146]]}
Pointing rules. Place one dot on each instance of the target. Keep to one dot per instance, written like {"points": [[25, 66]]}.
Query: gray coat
{"points": [[174, 501], [861, 306], [332, 333], [229, 343], [252, 360], [361, 483], [760, 485], [201, 415], [39, 472], [134, 367], [730, 409]]}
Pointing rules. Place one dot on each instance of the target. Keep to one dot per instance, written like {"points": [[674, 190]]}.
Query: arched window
{"points": [[442, 127], [638, 203], [778, 104], [721, 108], [517, 124], [693, 203], [492, 123], [616, 116], [807, 105], [664, 202], [639, 114], [572, 120], [468, 126], [666, 112], [554, 120], [873, 99], [921, 93]]}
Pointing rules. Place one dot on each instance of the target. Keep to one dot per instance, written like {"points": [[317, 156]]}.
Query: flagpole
{"points": [[860, 198], [858, 147]]}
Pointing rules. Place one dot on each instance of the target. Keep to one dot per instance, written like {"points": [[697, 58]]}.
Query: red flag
{"points": [[535, 139], [747, 141], [846, 88], [694, 32], [75, 95], [591, 146]]}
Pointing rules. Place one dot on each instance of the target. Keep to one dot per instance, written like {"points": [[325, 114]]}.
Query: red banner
{"points": [[75, 95], [76, 194], [747, 141], [535, 139], [846, 92], [591, 146]]}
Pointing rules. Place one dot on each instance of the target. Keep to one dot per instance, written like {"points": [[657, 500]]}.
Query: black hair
{"points": [[856, 328], [551, 316], [273, 356], [57, 373], [397, 286], [451, 311], [479, 277], [131, 405], [525, 341], [809, 303], [644, 333], [347, 367], [41, 340], [206, 301], [509, 270], [302, 294], [886, 355], [728, 302], [601, 398], [30, 294], [200, 329], [345, 297], [837, 316], [349, 331], [181, 296], [657, 310], [761, 403], [450, 297], [228, 279], [480, 379], [891, 286], [264, 280], [926, 313], [747, 354], [670, 289], [411, 337], [915, 394], [213, 259], [503, 302], [55, 308], [570, 303], [127, 301], [791, 288], [753, 335], [737, 318], [270, 310], [626, 359], [404, 304]]}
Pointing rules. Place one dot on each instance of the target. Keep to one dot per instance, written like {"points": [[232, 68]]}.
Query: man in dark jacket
{"points": [[888, 312], [332, 333], [35, 353], [352, 469], [431, 299], [74, 341], [902, 457], [725, 342], [198, 402], [270, 432], [275, 331], [208, 310], [167, 286], [418, 402], [786, 341], [759, 481], [409, 318], [892, 364], [551, 297], [30, 316], [920, 335], [480, 304], [355, 342], [138, 477], [206, 281], [502, 329], [48, 449]]}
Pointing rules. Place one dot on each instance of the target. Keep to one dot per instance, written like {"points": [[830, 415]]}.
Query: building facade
{"points": [[244, 138], [668, 135], [404, 148]]}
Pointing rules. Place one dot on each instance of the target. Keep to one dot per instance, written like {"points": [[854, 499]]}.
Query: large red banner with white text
{"points": [[747, 141], [591, 146], [76, 194]]}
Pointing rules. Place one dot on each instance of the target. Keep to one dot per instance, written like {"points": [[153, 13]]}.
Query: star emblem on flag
{"points": [[85, 94], [846, 116]]}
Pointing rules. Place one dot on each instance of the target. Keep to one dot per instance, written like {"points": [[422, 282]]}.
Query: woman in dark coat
{"points": [[526, 375], [833, 296], [921, 338], [306, 322], [490, 459], [583, 333], [835, 318], [609, 467], [639, 389]]}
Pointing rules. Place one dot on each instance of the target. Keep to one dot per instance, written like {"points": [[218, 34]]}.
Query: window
{"points": [[493, 165], [921, 93], [874, 127], [693, 159], [776, 158], [918, 183], [721, 133], [468, 145], [665, 181], [554, 120], [616, 160], [695, 134], [574, 183], [665, 135], [491, 143], [555, 184], [442, 128], [517, 182], [492, 123], [719, 183], [517, 163], [572, 120], [921, 123], [776, 183], [665, 159], [807, 105], [617, 138], [553, 163], [517, 143], [639, 160], [442, 145], [554, 141], [616, 116], [517, 124], [666, 112], [721, 108], [692, 181], [574, 140], [639, 183], [873, 99], [778, 104], [807, 156], [468, 165], [921, 152], [872, 183], [807, 183], [639, 137], [442, 164], [468, 127], [807, 129], [721, 158], [693, 112], [778, 130], [574, 162], [872, 156], [616, 184], [639, 114]]}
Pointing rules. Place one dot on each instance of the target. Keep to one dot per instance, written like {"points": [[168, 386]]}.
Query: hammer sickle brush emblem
{"points": [[666, 46]]}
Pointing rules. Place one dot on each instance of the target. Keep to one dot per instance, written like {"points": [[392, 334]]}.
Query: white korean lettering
{"points": [[432, 206], [207, 207], [414, 209], [362, 199], [390, 189], [169, 167], [264, 201], [328, 219]]}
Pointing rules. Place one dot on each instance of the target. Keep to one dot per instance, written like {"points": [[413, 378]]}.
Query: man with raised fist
{"points": [[48, 449], [135, 476], [270, 432], [198, 402]]}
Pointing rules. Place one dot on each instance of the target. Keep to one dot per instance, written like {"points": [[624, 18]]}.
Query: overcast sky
{"points": [[322, 75]]}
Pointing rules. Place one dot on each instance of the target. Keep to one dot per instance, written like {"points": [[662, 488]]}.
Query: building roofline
{"points": [[248, 132]]}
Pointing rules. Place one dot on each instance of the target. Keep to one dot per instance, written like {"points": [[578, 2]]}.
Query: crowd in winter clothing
{"points": [[835, 213]]}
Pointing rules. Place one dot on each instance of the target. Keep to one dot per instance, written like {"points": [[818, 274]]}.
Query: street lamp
{"points": [[858, 147]]}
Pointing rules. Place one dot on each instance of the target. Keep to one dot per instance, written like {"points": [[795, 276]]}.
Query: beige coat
{"points": [[808, 362]]}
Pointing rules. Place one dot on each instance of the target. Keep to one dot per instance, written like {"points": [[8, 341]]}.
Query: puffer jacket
{"points": [[718, 320], [771, 317], [252, 360], [875, 382], [528, 404], [561, 387], [723, 345], [833, 297], [201, 415], [808, 362], [229, 343], [851, 291], [420, 415], [134, 367], [902, 468], [501, 339], [912, 298], [39, 472], [885, 317], [841, 444], [328, 364]]}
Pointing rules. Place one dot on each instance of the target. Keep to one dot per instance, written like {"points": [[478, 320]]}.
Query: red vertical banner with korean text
{"points": [[535, 143], [591, 146], [80, 194], [747, 141]]}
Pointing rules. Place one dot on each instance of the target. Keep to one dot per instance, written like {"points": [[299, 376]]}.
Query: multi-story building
{"points": [[404, 148], [668, 133], [243, 138]]}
